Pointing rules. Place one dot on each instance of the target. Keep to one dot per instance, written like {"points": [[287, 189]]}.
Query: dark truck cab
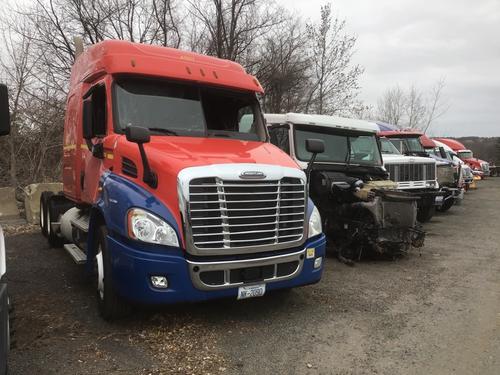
{"points": [[4, 299], [361, 209]]}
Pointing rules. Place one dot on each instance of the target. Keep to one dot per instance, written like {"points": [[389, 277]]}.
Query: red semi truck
{"points": [[169, 196], [478, 166]]}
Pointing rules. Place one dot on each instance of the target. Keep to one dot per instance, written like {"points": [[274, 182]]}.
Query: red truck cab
{"points": [[172, 192], [479, 167]]}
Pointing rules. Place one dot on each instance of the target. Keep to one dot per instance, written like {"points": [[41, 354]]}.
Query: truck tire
{"points": [[111, 306], [446, 205], [44, 198], [425, 213], [54, 209]]}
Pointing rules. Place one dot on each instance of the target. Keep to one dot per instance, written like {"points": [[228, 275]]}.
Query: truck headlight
{"points": [[146, 227], [315, 226]]}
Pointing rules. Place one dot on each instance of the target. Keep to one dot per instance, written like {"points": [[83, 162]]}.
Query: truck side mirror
{"points": [[314, 146], [88, 132], [137, 134], [4, 111]]}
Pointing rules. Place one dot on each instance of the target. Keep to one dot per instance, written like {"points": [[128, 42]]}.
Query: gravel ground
{"points": [[437, 312]]}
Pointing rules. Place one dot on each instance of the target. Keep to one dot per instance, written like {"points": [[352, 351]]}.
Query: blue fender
{"points": [[118, 196]]}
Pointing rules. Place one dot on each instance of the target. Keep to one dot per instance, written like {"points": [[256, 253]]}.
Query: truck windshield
{"points": [[388, 147], [354, 149], [465, 154], [408, 145], [169, 108]]}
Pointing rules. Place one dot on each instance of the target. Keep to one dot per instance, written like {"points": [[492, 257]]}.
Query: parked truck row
{"points": [[177, 188]]}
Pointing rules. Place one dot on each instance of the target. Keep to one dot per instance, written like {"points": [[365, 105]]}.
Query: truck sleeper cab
{"points": [[362, 210], [168, 194]]}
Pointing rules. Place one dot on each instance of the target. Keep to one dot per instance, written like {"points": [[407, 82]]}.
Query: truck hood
{"points": [[474, 161], [170, 154]]}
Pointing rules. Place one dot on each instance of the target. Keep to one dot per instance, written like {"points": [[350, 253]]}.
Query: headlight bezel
{"points": [[315, 226], [156, 224]]}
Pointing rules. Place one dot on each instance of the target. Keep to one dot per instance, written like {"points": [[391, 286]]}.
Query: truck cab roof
{"points": [[452, 143], [334, 122], [123, 57]]}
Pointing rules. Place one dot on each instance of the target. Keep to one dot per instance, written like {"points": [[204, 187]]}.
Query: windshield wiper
{"points": [[164, 131]]}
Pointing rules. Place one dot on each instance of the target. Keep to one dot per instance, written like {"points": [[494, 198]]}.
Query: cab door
{"points": [[71, 157], [94, 121]]}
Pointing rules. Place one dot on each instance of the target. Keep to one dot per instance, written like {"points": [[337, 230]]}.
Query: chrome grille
{"points": [[411, 172], [232, 214]]}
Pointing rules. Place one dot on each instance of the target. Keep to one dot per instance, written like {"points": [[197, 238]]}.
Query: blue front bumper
{"points": [[132, 269]]}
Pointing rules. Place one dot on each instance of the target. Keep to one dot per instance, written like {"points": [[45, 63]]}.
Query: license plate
{"points": [[251, 291]]}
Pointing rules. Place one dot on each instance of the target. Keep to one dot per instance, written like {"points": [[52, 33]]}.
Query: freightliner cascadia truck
{"points": [[168, 195], [4, 299]]}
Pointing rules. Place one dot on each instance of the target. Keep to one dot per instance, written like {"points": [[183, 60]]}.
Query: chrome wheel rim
{"points": [[47, 221], [42, 215], [100, 273]]}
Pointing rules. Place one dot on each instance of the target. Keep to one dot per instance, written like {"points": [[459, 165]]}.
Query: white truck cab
{"points": [[414, 174]]}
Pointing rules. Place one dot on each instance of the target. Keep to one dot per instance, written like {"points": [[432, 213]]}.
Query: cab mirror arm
{"points": [[315, 147], [140, 136]]}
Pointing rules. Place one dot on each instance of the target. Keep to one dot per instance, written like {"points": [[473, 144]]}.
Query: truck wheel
{"points": [[52, 215], [110, 305], [446, 205], [44, 197], [425, 213]]}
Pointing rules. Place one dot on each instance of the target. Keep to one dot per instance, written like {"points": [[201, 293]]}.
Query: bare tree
{"points": [[232, 27], [283, 68], [437, 105], [334, 83], [391, 106], [416, 109], [18, 66]]}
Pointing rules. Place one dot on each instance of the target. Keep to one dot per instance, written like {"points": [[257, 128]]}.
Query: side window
{"points": [[99, 111], [95, 109], [280, 138]]}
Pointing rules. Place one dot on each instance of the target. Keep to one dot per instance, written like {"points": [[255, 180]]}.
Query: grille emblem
{"points": [[252, 175]]}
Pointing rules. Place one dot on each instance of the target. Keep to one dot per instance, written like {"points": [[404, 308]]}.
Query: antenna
{"points": [[78, 45]]}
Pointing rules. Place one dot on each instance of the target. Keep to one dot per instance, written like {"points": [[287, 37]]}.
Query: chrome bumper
{"points": [[223, 270]]}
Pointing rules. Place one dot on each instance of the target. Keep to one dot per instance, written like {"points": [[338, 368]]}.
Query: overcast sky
{"points": [[410, 41]]}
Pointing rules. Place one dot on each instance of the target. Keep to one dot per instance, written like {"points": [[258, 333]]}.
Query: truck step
{"points": [[82, 223], [76, 253]]}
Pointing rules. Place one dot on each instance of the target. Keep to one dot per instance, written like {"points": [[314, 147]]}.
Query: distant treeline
{"points": [[485, 148]]}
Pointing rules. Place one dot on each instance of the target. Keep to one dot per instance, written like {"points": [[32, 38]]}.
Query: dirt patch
{"points": [[434, 313]]}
